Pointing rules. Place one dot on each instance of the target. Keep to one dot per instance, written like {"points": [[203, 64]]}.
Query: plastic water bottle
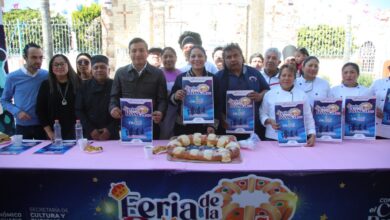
{"points": [[78, 130], [57, 134]]}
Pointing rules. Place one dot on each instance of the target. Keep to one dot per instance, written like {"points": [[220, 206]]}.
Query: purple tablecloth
{"points": [[268, 156]]}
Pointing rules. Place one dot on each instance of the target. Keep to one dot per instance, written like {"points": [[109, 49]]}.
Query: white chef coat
{"points": [[316, 89], [342, 91], [379, 90]]}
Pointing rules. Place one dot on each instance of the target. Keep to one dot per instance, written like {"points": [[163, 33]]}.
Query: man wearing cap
{"points": [[140, 80], [186, 41], [92, 103]]}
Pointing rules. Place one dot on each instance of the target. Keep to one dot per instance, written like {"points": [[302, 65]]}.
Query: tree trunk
{"points": [[46, 30]]}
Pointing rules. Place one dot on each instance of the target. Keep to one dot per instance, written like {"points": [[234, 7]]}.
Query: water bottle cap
{"points": [[77, 120], [56, 120]]}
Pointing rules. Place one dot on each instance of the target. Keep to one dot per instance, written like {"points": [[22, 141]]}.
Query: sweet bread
{"points": [[204, 148]]}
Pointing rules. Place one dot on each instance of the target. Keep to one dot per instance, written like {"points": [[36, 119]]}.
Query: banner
{"points": [[158, 195], [289, 116], [386, 109], [327, 114], [359, 117], [198, 105], [239, 112], [136, 121]]}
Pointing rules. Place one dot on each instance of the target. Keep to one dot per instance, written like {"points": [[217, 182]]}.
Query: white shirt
{"points": [[272, 81], [316, 89], [267, 109], [379, 89], [342, 91], [210, 67]]}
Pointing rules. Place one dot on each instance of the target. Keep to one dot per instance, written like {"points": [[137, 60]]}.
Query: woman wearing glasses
{"points": [[56, 97], [286, 92], [83, 66], [315, 87]]}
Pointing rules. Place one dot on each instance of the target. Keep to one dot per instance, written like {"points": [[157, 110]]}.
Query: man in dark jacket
{"points": [[140, 80], [92, 103], [237, 76]]}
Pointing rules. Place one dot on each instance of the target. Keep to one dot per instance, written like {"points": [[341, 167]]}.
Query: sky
{"points": [[74, 4]]}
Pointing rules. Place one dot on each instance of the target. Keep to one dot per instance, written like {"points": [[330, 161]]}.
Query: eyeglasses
{"points": [[83, 62], [59, 65]]}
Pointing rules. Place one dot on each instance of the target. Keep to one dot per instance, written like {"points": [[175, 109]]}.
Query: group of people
{"points": [[37, 97]]}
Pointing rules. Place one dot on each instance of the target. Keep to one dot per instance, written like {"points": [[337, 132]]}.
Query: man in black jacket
{"points": [[92, 103]]}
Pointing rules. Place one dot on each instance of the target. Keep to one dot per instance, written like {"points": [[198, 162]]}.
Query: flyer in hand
{"points": [[289, 116], [198, 105], [239, 112], [359, 117], [327, 115], [136, 122], [386, 109]]}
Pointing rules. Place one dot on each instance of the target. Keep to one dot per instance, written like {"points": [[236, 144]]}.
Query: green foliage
{"points": [[87, 14], [322, 40], [25, 26], [365, 79], [86, 24]]}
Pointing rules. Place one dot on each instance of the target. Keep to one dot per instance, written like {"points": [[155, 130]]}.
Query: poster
{"points": [[359, 117], [136, 121], [11, 149], [54, 149], [289, 116], [386, 109], [198, 104], [239, 112], [327, 114]]}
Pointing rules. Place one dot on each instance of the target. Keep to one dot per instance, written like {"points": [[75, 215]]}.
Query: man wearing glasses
{"points": [[22, 86]]}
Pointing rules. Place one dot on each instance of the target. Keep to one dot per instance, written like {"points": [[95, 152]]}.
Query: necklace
{"points": [[63, 96]]}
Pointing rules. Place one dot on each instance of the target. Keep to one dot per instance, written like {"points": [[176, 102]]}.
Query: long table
{"points": [[349, 180]]}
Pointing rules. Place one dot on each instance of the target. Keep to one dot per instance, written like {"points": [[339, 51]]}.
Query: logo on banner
{"points": [[248, 197], [381, 211]]}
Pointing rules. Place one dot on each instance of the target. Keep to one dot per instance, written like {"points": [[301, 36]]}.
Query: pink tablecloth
{"points": [[268, 156]]}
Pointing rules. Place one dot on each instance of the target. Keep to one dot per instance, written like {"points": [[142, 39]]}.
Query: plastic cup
{"points": [[82, 143], [148, 150], [17, 140]]}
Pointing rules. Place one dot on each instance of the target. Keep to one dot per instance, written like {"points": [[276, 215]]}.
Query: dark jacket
{"points": [[255, 81], [150, 85], [92, 102]]}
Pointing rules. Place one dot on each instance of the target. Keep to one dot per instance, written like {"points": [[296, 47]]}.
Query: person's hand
{"points": [[180, 94], [256, 96], [273, 123], [379, 113], [23, 116], [116, 113], [311, 140], [50, 135], [95, 134], [104, 134], [157, 116], [210, 130]]}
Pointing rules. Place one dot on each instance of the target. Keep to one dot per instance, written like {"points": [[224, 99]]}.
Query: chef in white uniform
{"points": [[286, 92], [313, 86], [379, 89], [349, 86]]}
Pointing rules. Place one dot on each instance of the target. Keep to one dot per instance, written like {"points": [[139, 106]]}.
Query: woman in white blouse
{"points": [[349, 86], [287, 92], [379, 89], [313, 86]]}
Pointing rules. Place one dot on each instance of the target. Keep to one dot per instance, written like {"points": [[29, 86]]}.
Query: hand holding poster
{"points": [[136, 122], [289, 117], [359, 117], [327, 117], [239, 112], [386, 109], [198, 105]]}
